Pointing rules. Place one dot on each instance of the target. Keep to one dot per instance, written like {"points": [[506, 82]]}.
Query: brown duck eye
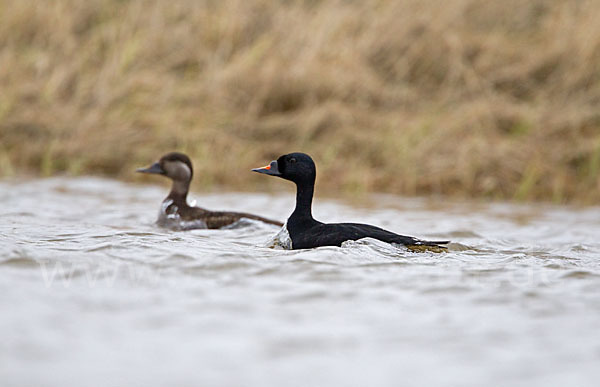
{"points": [[292, 160]]}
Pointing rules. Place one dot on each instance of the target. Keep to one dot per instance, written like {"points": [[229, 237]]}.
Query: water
{"points": [[92, 293]]}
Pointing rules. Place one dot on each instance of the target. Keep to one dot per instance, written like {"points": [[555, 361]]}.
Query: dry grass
{"points": [[465, 97]]}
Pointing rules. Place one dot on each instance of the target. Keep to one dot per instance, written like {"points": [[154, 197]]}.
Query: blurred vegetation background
{"points": [[469, 98]]}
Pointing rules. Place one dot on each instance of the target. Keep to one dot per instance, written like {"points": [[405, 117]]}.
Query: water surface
{"points": [[92, 293]]}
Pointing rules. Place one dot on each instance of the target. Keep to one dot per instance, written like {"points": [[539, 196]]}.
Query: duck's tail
{"points": [[433, 246]]}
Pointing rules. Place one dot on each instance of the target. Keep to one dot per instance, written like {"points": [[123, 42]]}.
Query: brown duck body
{"points": [[176, 213]]}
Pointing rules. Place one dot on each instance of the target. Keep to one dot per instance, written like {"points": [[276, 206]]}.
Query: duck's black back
{"points": [[322, 234]]}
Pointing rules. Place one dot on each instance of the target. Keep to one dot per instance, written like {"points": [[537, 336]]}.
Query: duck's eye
{"points": [[292, 160]]}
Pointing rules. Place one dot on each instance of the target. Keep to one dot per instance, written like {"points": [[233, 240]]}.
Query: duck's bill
{"points": [[154, 168], [270, 169]]}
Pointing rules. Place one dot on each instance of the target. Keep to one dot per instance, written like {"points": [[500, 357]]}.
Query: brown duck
{"points": [[176, 212]]}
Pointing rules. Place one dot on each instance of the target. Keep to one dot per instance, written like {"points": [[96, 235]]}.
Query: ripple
{"points": [[580, 274], [24, 262], [384, 264], [306, 296], [461, 234], [487, 272], [455, 246], [175, 259], [218, 266], [101, 247], [446, 289]]}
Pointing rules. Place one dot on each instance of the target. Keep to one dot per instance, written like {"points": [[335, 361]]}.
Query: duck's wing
{"points": [[337, 233]]}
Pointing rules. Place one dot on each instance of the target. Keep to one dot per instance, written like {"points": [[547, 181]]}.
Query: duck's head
{"points": [[174, 165], [296, 167]]}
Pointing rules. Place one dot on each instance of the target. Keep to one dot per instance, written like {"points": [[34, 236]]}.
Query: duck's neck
{"points": [[179, 191], [304, 196]]}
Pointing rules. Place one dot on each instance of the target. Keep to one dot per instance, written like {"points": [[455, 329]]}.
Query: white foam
{"points": [[282, 239]]}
